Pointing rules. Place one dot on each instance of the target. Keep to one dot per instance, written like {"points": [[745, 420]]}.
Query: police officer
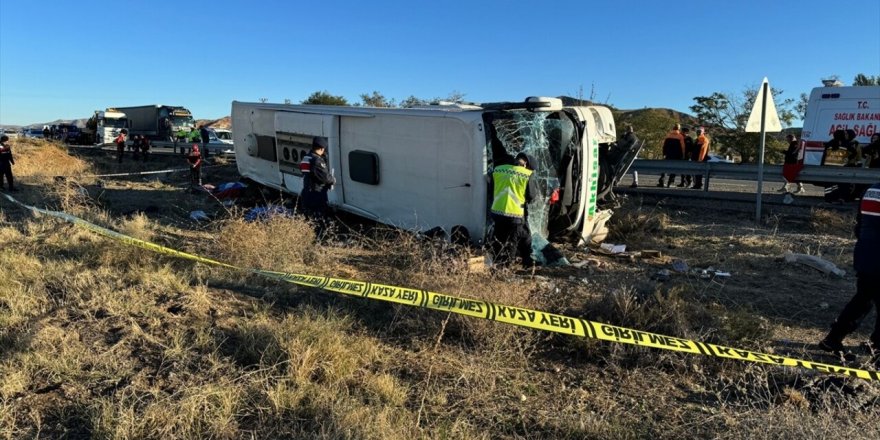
{"points": [[513, 189], [866, 261], [317, 180], [6, 162]]}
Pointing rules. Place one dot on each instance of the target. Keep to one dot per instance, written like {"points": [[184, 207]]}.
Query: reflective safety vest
{"points": [[510, 190]]}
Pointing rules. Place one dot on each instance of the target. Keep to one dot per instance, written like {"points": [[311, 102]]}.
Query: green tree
{"points": [[865, 80], [376, 100], [725, 115], [649, 125], [324, 98], [412, 101]]}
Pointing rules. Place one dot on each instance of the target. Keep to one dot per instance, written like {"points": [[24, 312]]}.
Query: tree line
{"points": [[723, 114], [376, 99]]}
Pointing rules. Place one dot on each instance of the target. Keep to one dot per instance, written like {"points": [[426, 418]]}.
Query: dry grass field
{"points": [[100, 340]]}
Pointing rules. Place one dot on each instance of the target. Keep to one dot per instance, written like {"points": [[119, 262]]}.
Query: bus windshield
{"points": [[551, 140]]}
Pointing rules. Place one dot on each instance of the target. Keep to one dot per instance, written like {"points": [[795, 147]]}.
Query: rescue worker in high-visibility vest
{"points": [[701, 150], [673, 149], [866, 262], [513, 189]]}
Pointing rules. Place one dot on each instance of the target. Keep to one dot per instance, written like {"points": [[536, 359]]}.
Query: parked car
{"points": [[12, 133], [220, 141], [712, 157], [221, 134], [34, 133]]}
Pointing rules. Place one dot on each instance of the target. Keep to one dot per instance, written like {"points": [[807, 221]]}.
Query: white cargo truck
{"points": [[104, 126], [838, 108], [429, 167]]}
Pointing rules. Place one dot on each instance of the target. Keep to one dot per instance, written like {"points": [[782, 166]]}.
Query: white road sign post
{"points": [[763, 119]]}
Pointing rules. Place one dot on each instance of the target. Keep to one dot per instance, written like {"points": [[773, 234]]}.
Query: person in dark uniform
{"points": [[136, 146], [513, 188], [316, 183], [206, 137], [195, 165], [6, 162], [866, 261], [145, 147]]}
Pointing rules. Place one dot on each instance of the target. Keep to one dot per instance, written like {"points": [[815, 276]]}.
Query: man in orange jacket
{"points": [[701, 150], [673, 149]]}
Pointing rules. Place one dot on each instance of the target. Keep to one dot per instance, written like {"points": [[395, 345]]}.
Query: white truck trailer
{"points": [[423, 168], [104, 126]]}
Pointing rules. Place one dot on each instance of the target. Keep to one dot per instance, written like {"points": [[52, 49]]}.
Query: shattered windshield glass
{"points": [[549, 138]]}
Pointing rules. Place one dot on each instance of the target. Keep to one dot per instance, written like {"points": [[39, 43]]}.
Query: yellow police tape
{"points": [[477, 308]]}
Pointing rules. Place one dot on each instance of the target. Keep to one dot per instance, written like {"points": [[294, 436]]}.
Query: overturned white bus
{"points": [[422, 168]]}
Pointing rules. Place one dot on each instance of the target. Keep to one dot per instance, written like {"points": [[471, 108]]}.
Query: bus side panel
{"points": [[425, 166], [248, 124]]}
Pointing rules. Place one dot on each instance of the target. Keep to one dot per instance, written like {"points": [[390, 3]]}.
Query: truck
{"points": [[159, 122], [829, 109], [425, 168], [103, 127]]}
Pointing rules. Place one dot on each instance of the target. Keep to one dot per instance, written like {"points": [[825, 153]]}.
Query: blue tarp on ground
{"points": [[266, 212]]}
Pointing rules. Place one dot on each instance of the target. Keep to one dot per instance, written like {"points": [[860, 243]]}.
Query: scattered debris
{"points": [[679, 266], [477, 265], [815, 262], [588, 262], [661, 275], [199, 216], [229, 190], [651, 254], [266, 212], [613, 248]]}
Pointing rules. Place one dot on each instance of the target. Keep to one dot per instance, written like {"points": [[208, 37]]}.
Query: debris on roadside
{"points": [[815, 262], [679, 266], [613, 248], [662, 275], [199, 216], [266, 212]]}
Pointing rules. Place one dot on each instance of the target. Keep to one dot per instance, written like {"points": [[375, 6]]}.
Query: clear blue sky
{"points": [[62, 59]]}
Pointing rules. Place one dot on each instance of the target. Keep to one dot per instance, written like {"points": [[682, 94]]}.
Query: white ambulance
{"points": [[838, 108]]}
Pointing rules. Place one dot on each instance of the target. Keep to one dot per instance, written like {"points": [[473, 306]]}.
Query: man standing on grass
{"points": [[866, 261], [120, 144], [6, 162], [195, 165]]}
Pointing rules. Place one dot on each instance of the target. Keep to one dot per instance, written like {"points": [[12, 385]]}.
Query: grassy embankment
{"points": [[100, 340]]}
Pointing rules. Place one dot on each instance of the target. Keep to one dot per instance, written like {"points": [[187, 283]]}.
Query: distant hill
{"points": [[224, 122]]}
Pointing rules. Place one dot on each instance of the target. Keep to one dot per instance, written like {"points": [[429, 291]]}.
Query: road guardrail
{"points": [[809, 174]]}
